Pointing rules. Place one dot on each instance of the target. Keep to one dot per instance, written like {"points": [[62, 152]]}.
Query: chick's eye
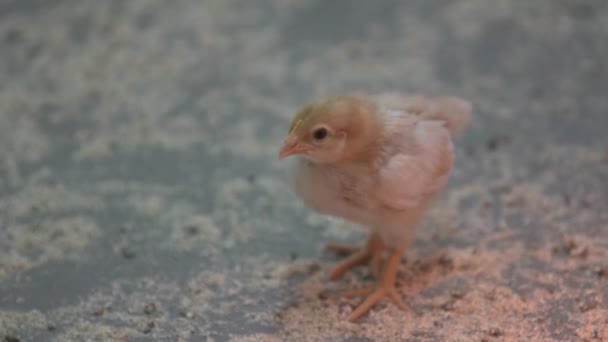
{"points": [[320, 133]]}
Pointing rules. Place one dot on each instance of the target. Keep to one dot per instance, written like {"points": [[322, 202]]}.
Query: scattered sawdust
{"points": [[190, 232], [21, 138], [148, 205], [32, 245], [594, 325], [169, 134], [11, 320], [49, 199], [423, 283], [108, 187]]}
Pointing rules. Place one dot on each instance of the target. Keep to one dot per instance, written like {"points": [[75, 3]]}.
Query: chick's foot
{"points": [[385, 288]]}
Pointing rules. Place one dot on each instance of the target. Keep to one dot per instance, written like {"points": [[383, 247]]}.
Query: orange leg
{"points": [[370, 253], [386, 287]]}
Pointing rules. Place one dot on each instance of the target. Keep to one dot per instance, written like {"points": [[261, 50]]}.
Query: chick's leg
{"points": [[386, 287], [370, 253]]}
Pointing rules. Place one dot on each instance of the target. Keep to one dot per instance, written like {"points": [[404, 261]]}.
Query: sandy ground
{"points": [[141, 198]]}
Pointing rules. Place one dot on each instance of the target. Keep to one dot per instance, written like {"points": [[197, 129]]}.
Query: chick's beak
{"points": [[292, 147]]}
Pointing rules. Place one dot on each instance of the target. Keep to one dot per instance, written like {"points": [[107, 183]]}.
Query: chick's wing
{"points": [[412, 174]]}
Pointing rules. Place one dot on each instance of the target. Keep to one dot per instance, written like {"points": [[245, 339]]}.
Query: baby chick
{"points": [[378, 161]]}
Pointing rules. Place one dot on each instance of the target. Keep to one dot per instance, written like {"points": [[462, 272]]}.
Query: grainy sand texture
{"points": [[141, 198]]}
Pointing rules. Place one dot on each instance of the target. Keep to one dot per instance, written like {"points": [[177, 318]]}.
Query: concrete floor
{"points": [[141, 198]]}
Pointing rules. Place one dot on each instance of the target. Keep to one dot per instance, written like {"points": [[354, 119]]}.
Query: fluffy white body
{"points": [[413, 163]]}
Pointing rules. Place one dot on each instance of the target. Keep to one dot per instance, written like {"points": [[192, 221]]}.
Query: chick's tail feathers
{"points": [[453, 111]]}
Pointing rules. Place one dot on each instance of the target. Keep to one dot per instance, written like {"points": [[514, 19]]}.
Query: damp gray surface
{"points": [[141, 198]]}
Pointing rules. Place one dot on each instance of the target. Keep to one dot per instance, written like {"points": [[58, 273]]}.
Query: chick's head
{"points": [[331, 131]]}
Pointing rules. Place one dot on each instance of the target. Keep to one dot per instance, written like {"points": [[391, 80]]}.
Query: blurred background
{"points": [[141, 198]]}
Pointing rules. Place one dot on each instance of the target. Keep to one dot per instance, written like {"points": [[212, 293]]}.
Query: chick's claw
{"points": [[374, 298]]}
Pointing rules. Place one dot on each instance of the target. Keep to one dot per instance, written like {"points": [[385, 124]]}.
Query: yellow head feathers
{"points": [[310, 114]]}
